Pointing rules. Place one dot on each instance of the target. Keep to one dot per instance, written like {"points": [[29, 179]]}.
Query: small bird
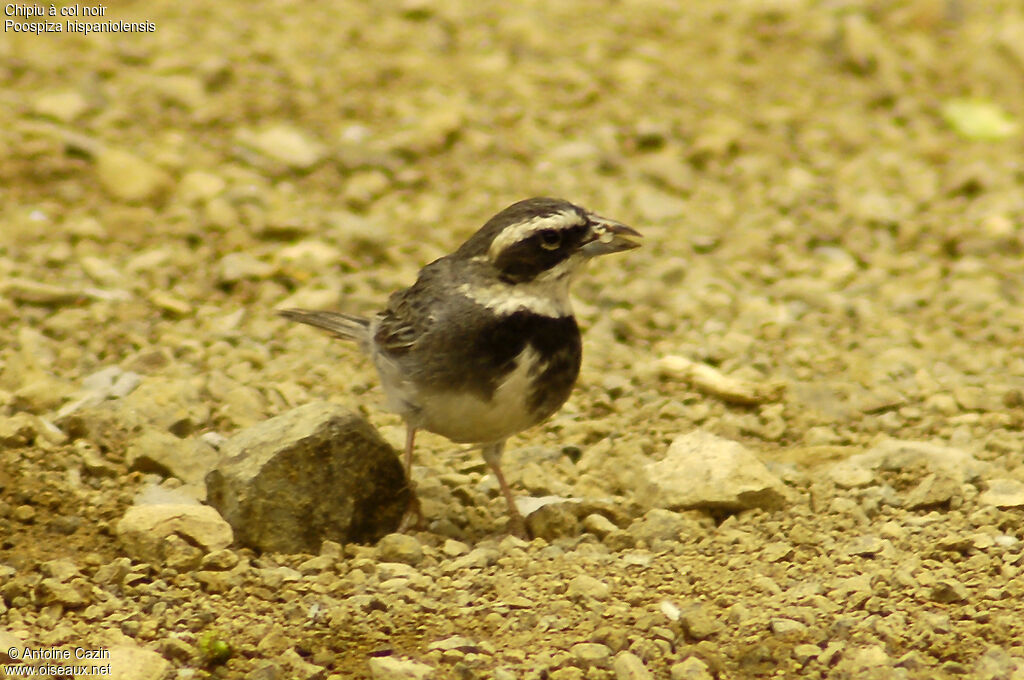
{"points": [[485, 345]]}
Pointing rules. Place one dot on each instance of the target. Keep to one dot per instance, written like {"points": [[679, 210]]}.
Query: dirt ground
{"points": [[818, 216]]}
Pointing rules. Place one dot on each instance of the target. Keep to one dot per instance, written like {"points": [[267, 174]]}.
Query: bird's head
{"points": [[545, 239]]}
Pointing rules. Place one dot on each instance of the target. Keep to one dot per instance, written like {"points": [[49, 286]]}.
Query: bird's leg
{"points": [[413, 517], [516, 523]]}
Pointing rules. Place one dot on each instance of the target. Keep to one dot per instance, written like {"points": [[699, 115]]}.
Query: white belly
{"points": [[469, 418]]}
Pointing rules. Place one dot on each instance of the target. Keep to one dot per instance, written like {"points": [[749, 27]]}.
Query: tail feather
{"points": [[345, 326]]}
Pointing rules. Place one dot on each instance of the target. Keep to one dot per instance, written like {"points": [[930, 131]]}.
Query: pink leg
{"points": [[516, 523], [413, 517]]}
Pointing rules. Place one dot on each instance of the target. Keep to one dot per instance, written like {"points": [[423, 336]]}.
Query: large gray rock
{"points": [[318, 472]]}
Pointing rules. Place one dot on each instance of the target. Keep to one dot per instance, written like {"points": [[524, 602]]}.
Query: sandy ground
{"points": [[819, 217]]}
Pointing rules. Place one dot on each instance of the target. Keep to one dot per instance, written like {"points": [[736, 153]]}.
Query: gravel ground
{"points": [[832, 199]]}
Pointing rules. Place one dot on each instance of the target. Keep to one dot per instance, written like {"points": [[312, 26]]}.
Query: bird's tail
{"points": [[345, 326]]}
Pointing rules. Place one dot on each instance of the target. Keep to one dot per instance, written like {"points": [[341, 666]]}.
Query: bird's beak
{"points": [[609, 237]]}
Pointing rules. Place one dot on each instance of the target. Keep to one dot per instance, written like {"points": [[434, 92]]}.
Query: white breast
{"points": [[467, 417]]}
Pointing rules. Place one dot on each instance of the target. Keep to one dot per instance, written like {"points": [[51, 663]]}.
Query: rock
{"points": [[949, 590], [628, 666], [62, 570], [143, 528], [1003, 493], [598, 524], [584, 586], [314, 473], [52, 591], [592, 654], [787, 628], [394, 668], [550, 517], [128, 662], [165, 454], [63, 106], [934, 489], [691, 668], [661, 524], [299, 668], [400, 548], [698, 623], [899, 454], [235, 267], [284, 144], [848, 475], [702, 470], [127, 177]]}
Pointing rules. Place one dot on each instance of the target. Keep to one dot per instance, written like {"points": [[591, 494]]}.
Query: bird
{"points": [[484, 344]]}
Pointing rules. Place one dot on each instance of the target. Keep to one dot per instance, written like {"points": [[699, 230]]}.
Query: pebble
{"points": [[692, 668], [284, 144], [61, 105], [703, 470], [948, 591], [588, 587], [629, 666], [143, 527], [128, 177], [394, 668], [400, 548], [1003, 493], [592, 654]]}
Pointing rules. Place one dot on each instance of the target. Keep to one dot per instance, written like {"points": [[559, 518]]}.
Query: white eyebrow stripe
{"points": [[514, 234]]}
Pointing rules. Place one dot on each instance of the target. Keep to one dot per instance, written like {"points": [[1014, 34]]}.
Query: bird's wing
{"points": [[411, 312]]}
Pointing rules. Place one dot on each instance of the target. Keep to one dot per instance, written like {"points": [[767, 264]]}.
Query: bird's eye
{"points": [[550, 239]]}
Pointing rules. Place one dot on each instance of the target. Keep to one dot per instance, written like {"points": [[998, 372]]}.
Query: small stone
{"points": [[400, 548], [394, 668], [588, 587], [553, 517], [934, 489], [661, 524], [179, 554], [63, 105], [143, 528], [805, 652], [219, 560], [698, 623], [285, 144], [62, 570], [865, 546], [198, 186], [592, 654], [235, 267], [453, 548], [702, 470], [315, 565], [25, 514], [787, 628], [190, 460], [1003, 493], [629, 666], [949, 590], [599, 525], [849, 475], [127, 177], [52, 591], [691, 668], [128, 662]]}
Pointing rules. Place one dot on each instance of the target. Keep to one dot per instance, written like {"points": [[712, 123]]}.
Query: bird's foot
{"points": [[413, 519]]}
